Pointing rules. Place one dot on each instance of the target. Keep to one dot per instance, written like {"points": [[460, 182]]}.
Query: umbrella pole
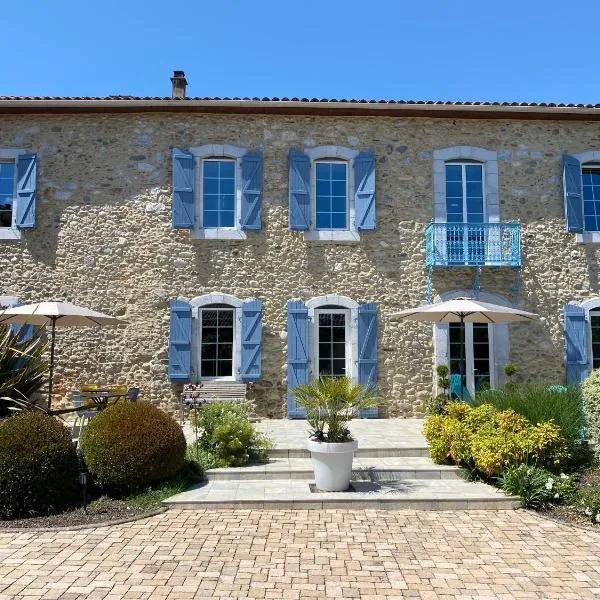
{"points": [[51, 361], [462, 356]]}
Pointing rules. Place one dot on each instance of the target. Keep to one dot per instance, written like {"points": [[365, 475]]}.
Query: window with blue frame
{"points": [[218, 193], [465, 208], [7, 193], [331, 206], [591, 197]]}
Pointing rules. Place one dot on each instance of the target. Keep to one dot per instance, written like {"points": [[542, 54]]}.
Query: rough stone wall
{"points": [[103, 239]]}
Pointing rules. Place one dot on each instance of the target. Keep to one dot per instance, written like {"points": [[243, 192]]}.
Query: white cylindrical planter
{"points": [[332, 464]]}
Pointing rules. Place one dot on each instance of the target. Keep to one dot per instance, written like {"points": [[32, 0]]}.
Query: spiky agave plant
{"points": [[331, 402], [23, 370]]}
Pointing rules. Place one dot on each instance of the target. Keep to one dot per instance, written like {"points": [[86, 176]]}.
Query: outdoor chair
{"points": [[455, 388], [81, 416]]}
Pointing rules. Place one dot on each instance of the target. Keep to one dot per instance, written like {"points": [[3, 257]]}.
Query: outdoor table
{"points": [[101, 397]]}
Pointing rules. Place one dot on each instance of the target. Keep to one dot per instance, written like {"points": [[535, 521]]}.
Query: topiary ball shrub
{"points": [[38, 466], [132, 445]]}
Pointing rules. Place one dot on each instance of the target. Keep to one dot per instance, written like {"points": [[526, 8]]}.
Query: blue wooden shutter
{"points": [[573, 194], [297, 350], [576, 344], [180, 341], [364, 195], [184, 184], [26, 190], [252, 178], [250, 369], [299, 201], [367, 350]]}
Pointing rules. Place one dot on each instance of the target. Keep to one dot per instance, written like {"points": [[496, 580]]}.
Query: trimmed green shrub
{"points": [[131, 445], [38, 466], [590, 391], [488, 441], [537, 487], [228, 437], [537, 403], [436, 405]]}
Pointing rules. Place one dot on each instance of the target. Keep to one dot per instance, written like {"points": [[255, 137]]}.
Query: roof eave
{"points": [[465, 111]]}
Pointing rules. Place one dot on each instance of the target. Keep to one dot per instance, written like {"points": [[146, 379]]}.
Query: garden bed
{"points": [[106, 510], [99, 512], [574, 511]]}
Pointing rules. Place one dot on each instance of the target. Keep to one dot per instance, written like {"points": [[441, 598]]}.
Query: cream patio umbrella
{"points": [[464, 310], [56, 314]]}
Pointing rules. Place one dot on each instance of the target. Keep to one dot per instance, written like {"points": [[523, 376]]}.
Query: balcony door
{"points": [[478, 353], [465, 213]]}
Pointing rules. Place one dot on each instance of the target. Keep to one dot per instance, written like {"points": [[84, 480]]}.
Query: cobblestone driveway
{"points": [[307, 554]]}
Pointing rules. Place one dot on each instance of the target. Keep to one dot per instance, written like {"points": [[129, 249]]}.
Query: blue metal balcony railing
{"points": [[473, 244]]}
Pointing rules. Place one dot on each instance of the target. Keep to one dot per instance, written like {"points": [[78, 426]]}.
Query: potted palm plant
{"points": [[331, 402]]}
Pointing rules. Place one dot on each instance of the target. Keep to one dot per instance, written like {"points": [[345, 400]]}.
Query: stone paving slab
{"points": [[291, 434], [364, 468], [364, 554], [296, 493]]}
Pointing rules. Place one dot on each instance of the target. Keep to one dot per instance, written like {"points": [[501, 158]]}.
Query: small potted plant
{"points": [[331, 402]]}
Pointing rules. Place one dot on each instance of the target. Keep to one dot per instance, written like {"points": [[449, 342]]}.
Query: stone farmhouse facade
{"points": [[267, 241]]}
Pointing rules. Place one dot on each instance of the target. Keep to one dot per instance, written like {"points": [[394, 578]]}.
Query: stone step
{"points": [[418, 494], [364, 469], [413, 449]]}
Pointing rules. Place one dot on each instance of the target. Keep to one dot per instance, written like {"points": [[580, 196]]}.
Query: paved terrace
{"points": [[370, 555]]}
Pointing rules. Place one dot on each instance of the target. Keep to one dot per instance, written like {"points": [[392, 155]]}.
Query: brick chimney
{"points": [[179, 83]]}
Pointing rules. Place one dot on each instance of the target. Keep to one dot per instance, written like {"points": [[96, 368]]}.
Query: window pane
{"points": [[331, 196], [323, 221], [225, 368], [211, 169], [218, 193], [5, 215], [324, 334], [324, 367], [324, 349], [338, 221], [209, 335], [339, 350], [227, 219], [338, 171], [338, 188], [338, 204], [208, 368], [324, 171], [338, 367], [338, 334], [453, 173], [211, 202], [211, 186], [475, 189], [474, 172], [323, 204], [324, 319], [323, 187], [6, 187], [208, 352], [226, 202], [454, 190], [211, 218], [227, 169]]}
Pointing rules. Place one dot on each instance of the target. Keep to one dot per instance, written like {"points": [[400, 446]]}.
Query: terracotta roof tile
{"points": [[297, 99]]}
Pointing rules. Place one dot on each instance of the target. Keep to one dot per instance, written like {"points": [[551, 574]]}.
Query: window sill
{"points": [[588, 237], [331, 236], [10, 233], [218, 234]]}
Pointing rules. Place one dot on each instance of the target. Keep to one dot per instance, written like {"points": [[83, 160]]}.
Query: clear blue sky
{"points": [[525, 50]]}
